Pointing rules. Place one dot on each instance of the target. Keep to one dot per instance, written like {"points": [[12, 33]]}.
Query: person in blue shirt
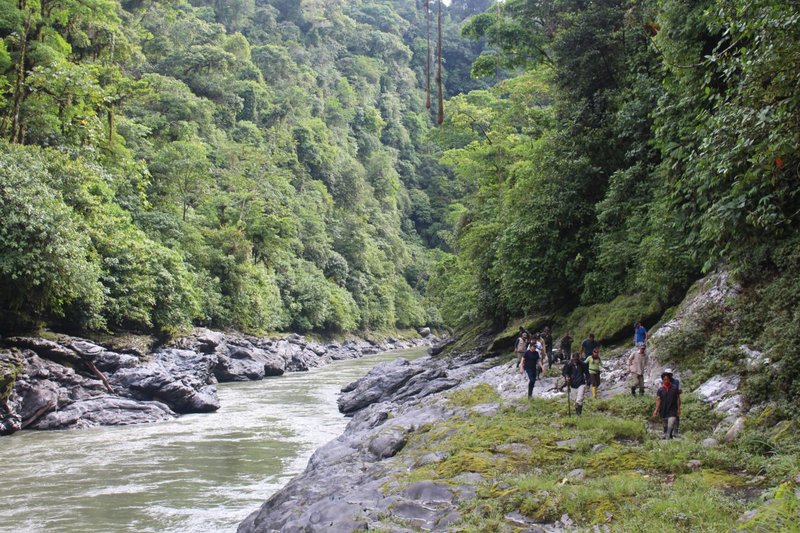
{"points": [[588, 345], [639, 334]]}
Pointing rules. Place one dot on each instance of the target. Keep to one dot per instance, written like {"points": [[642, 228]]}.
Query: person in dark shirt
{"points": [[529, 364], [668, 404], [588, 345], [566, 346], [576, 375]]}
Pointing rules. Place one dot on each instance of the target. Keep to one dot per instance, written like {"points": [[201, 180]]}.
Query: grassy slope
{"points": [[633, 480]]}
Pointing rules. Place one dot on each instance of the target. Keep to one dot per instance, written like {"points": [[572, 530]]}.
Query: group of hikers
{"points": [[582, 369]]}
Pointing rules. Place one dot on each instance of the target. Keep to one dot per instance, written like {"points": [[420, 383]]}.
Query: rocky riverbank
{"points": [[448, 443], [68, 382]]}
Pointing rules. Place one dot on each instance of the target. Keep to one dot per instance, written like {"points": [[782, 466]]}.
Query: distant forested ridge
{"points": [[249, 164]]}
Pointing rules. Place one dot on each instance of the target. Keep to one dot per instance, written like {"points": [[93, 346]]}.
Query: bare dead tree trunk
{"points": [[100, 376], [440, 115], [428, 55]]}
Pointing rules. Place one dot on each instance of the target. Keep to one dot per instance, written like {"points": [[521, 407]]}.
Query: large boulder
{"points": [[381, 382], [104, 411]]}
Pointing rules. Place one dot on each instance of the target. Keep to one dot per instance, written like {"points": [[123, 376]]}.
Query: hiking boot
{"points": [[633, 392], [578, 409]]}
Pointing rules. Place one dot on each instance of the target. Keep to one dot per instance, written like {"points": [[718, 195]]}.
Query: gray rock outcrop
{"points": [[74, 383], [343, 487]]}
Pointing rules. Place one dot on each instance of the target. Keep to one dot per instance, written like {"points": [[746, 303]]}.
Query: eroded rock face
{"points": [[73, 383]]}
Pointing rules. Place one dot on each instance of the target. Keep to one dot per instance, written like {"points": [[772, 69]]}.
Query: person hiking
{"points": [[576, 375], [530, 364], [668, 404], [677, 384], [548, 346], [594, 364], [639, 335], [637, 362], [538, 342], [521, 344], [566, 346], [588, 345]]}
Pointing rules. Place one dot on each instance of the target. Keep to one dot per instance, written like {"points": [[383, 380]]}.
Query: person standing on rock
{"points": [[576, 375], [566, 346], [588, 345], [548, 346], [520, 344], [530, 364], [639, 335], [668, 403], [595, 365], [637, 362]]}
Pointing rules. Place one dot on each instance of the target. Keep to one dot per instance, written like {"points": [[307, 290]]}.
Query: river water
{"points": [[197, 473]]}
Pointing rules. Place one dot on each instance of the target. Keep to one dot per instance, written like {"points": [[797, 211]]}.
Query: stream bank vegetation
{"points": [[609, 467]]}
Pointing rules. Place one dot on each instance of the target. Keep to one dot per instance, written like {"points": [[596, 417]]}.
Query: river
{"points": [[197, 473]]}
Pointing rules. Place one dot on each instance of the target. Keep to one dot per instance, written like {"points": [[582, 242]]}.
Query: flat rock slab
{"points": [[428, 492]]}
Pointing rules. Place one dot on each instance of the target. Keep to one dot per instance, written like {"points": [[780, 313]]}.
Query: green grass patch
{"points": [[779, 514], [632, 481], [477, 395]]}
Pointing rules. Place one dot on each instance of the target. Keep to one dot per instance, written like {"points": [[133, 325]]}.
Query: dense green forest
{"points": [[260, 165], [638, 146], [272, 164]]}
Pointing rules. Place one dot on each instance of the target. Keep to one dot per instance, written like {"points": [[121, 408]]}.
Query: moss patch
{"points": [[612, 322], [481, 394], [11, 365]]}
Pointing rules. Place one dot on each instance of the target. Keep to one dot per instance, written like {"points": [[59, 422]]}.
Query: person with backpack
{"points": [[576, 375], [594, 364], [668, 404], [531, 364], [521, 344], [637, 362]]}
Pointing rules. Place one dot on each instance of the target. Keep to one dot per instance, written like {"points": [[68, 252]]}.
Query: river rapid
{"points": [[197, 473]]}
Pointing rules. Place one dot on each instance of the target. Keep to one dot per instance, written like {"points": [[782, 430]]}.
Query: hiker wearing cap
{"points": [[637, 362], [668, 404], [576, 375], [639, 335], [594, 364], [520, 344], [530, 364]]}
